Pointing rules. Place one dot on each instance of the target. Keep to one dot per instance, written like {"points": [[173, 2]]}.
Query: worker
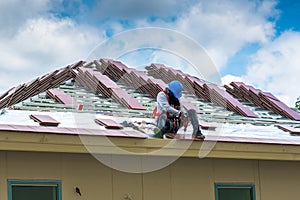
{"points": [[169, 114]]}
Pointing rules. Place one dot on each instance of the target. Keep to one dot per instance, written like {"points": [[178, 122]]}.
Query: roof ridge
{"points": [[26, 90], [106, 73]]}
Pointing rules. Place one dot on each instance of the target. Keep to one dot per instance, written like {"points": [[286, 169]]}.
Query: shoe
{"points": [[199, 135], [170, 135], [157, 133]]}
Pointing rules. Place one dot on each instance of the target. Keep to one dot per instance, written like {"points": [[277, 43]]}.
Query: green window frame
{"points": [[33, 183], [235, 191]]}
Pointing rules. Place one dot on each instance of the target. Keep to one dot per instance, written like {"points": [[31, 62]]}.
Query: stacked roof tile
{"points": [[44, 120], [207, 91], [262, 99], [61, 96], [137, 79], [36, 86], [100, 83], [167, 74], [290, 129], [108, 123], [106, 76]]}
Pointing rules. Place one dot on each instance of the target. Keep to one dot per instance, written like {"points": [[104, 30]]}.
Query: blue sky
{"points": [[256, 41]]}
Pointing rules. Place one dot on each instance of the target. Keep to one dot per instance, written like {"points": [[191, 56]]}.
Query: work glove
{"points": [[179, 114], [184, 120]]}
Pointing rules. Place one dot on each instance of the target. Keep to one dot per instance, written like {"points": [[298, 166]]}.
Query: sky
{"points": [[257, 42]]}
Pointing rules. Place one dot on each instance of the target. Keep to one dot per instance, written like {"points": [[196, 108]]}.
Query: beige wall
{"points": [[187, 178]]}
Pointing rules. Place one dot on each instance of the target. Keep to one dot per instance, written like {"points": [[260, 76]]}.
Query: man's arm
{"points": [[162, 101]]}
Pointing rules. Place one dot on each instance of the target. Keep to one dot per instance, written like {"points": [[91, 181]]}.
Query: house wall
{"points": [[186, 178]]}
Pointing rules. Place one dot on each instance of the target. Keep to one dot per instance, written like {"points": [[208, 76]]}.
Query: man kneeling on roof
{"points": [[169, 114]]}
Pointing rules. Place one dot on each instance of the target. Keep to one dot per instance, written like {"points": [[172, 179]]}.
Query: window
{"points": [[235, 191], [34, 190]]}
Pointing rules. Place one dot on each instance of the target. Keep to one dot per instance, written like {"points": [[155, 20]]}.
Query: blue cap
{"points": [[176, 88]]}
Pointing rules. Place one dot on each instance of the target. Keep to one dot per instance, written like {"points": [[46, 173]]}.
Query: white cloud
{"points": [[227, 79], [43, 45], [275, 67], [133, 9], [166, 42], [224, 27], [34, 41], [14, 13]]}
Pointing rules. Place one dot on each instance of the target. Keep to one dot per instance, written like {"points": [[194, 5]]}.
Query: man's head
{"points": [[176, 88]]}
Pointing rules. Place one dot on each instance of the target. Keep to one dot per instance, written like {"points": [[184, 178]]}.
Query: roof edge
{"points": [[45, 142]]}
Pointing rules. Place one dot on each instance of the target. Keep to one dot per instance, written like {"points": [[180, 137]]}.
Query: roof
{"points": [[107, 98]]}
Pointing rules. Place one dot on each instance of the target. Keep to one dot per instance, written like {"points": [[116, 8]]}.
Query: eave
{"points": [[57, 143]]}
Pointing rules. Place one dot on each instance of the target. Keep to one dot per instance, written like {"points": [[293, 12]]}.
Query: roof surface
{"points": [[106, 97]]}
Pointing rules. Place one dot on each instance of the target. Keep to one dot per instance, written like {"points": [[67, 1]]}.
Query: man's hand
{"points": [[179, 114], [184, 120]]}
